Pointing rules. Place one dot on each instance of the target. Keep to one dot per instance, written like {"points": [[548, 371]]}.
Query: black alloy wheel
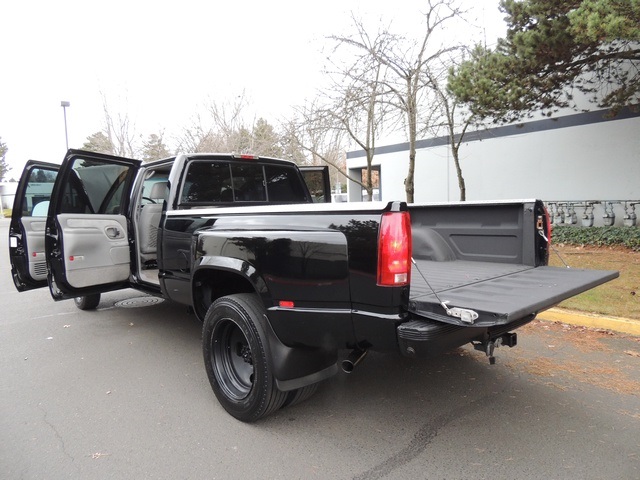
{"points": [[237, 358]]}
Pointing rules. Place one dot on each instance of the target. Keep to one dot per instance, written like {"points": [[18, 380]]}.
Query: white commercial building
{"points": [[7, 194], [570, 159]]}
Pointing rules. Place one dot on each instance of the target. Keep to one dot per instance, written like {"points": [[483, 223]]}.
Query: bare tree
{"points": [[406, 61], [120, 131], [452, 119], [213, 130], [229, 121], [224, 128], [349, 110], [355, 100], [200, 137], [315, 133], [291, 148]]}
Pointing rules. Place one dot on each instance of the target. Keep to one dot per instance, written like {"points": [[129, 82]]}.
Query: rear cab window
{"points": [[226, 182]]}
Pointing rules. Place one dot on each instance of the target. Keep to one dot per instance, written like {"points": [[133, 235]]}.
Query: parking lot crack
{"points": [[56, 433], [421, 440]]}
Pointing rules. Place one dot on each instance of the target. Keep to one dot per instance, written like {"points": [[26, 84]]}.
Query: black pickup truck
{"points": [[281, 283]]}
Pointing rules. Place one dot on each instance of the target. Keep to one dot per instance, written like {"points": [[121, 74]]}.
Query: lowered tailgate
{"points": [[499, 293]]}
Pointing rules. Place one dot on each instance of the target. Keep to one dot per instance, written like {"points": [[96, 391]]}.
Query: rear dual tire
{"points": [[238, 359]]}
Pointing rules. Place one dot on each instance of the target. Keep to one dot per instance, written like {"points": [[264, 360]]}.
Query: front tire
{"points": [[238, 359], [88, 302]]}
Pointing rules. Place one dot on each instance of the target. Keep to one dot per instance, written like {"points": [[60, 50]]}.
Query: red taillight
{"points": [[244, 156], [394, 249], [548, 224]]}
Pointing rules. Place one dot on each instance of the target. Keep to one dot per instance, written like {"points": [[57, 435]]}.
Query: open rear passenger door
{"points": [[27, 228], [87, 239]]}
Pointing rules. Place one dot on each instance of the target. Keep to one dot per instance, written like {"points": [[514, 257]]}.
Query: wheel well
{"points": [[210, 284]]}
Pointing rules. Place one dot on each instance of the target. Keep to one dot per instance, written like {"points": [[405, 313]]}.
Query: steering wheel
{"points": [[150, 199]]}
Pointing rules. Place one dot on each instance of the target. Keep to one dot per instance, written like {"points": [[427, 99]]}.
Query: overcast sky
{"points": [[159, 61]]}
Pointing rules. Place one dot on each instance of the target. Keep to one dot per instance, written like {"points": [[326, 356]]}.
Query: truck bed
{"points": [[500, 293]]}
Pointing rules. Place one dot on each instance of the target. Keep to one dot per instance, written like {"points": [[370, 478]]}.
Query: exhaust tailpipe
{"points": [[353, 360]]}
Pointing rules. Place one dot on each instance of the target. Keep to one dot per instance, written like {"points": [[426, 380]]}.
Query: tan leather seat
{"points": [[150, 221]]}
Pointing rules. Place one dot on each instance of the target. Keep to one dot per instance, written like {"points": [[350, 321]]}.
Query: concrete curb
{"points": [[571, 317]]}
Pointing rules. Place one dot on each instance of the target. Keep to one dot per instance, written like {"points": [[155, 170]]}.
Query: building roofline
{"points": [[573, 120]]}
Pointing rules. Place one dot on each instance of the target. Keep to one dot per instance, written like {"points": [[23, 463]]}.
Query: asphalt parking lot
{"points": [[122, 393]]}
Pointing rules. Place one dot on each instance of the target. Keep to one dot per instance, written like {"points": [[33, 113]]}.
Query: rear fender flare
{"points": [[210, 266]]}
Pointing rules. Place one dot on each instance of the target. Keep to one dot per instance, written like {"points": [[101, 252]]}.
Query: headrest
{"points": [[159, 190]]}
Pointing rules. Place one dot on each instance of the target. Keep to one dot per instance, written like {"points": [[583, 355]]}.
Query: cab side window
{"points": [[284, 185], [38, 192], [95, 187]]}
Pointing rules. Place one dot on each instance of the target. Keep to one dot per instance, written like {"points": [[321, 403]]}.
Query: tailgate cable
{"points": [[464, 314], [541, 233]]}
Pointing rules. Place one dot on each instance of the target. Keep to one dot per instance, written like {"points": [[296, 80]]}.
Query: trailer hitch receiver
{"points": [[488, 346]]}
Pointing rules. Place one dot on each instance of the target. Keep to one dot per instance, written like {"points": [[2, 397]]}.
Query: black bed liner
{"points": [[500, 293]]}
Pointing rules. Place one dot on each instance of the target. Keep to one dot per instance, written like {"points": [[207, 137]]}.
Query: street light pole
{"points": [[64, 104]]}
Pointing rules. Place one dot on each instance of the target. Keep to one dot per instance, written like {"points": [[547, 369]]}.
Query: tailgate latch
{"points": [[465, 314]]}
